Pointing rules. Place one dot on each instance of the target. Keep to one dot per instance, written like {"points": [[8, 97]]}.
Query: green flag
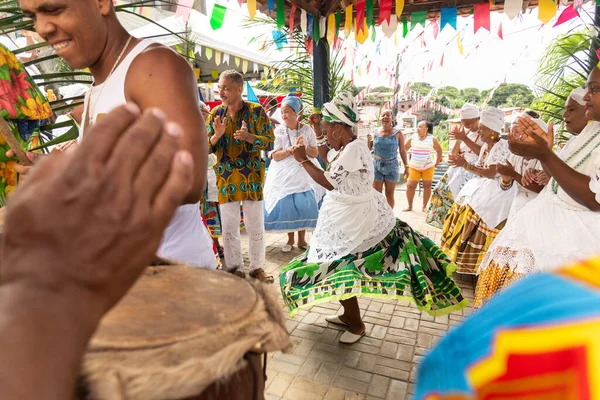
{"points": [[373, 34], [316, 30], [369, 13], [418, 17], [338, 22], [404, 27], [217, 17], [280, 13]]}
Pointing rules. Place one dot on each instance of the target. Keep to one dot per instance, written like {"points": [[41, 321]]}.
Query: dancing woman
{"points": [[358, 247]]}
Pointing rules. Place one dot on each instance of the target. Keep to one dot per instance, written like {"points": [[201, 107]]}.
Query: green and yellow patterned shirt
{"points": [[240, 169]]}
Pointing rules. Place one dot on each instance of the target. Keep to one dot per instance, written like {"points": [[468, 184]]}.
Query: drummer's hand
{"points": [[299, 153], [89, 221], [23, 170]]}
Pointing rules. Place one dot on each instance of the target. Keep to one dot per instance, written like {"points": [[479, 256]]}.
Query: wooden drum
{"points": [[184, 333]]}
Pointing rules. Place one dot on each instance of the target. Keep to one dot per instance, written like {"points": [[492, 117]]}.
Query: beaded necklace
{"points": [[554, 183]]}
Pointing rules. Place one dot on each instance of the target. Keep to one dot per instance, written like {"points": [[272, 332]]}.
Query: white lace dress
{"points": [[353, 217], [551, 230]]}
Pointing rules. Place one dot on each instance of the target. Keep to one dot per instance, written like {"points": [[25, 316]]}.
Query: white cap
{"points": [[538, 122], [469, 111], [493, 118]]}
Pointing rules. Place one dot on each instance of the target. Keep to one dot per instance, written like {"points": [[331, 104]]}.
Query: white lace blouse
{"points": [[354, 217]]}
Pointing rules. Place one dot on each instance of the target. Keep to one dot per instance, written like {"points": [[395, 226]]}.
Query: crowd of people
{"points": [[166, 176]]}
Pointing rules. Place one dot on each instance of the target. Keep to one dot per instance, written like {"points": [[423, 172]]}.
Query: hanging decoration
{"points": [[215, 73], [250, 94], [404, 27], [331, 30], [316, 30], [338, 21], [348, 21], [481, 16], [360, 17], [184, 7], [217, 16], [279, 39], [218, 57], [369, 12], [236, 60], [292, 16], [271, 5], [322, 27], [303, 21], [435, 28], [418, 18], [390, 27], [399, 8], [448, 17], [546, 10], [280, 13], [500, 34], [309, 30], [245, 66], [251, 8], [442, 60], [385, 11], [226, 58], [461, 49], [512, 8], [209, 53], [361, 35], [568, 14], [373, 33]]}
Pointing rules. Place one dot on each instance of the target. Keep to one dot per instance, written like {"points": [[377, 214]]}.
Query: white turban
{"points": [[577, 95], [469, 111], [538, 122], [493, 118], [75, 90]]}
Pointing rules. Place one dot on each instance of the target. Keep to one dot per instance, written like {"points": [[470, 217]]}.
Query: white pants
{"points": [[254, 220]]}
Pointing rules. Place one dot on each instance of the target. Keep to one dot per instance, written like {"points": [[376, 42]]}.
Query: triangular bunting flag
{"points": [[251, 8], [546, 10], [209, 53], [280, 14], [218, 57], [217, 17], [237, 61], [399, 8], [481, 16], [322, 27], [568, 14], [331, 29], [369, 12], [418, 18], [250, 95], [316, 30], [435, 27], [373, 33], [292, 17], [198, 49], [215, 73], [500, 33], [226, 58], [390, 27], [303, 21], [338, 21], [310, 28], [361, 35], [244, 66], [360, 17], [184, 7], [442, 60], [348, 21], [385, 11], [512, 8], [404, 27], [448, 17], [461, 49], [271, 5]]}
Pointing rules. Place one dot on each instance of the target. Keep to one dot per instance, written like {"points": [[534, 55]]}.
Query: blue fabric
{"points": [[295, 212], [293, 101], [386, 170], [539, 300], [385, 147]]}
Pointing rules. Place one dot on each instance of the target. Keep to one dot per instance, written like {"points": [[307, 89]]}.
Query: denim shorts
{"points": [[386, 170]]}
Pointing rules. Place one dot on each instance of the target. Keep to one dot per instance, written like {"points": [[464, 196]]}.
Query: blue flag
{"points": [[279, 39], [250, 94], [448, 16], [271, 5]]}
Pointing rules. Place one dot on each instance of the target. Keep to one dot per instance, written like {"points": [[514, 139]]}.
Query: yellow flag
{"points": [[461, 49], [331, 29], [361, 35], [244, 66], [252, 8], [217, 57], [546, 10], [348, 22], [399, 8]]}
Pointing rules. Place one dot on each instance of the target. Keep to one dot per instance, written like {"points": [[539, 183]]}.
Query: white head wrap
{"points": [[74, 90], [342, 109], [577, 95], [469, 111], [493, 118], [538, 122]]}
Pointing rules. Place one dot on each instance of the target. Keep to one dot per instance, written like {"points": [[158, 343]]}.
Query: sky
{"points": [[487, 60]]}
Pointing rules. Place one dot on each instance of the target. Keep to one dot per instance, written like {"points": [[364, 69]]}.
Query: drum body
{"points": [[185, 333]]}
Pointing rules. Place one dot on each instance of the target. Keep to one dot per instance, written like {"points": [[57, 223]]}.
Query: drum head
{"points": [[171, 304]]}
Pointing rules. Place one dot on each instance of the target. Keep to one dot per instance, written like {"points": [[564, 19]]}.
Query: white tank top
{"points": [[186, 239]]}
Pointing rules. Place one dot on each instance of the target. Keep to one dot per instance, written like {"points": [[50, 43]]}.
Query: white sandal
{"points": [[287, 248], [335, 319], [350, 338]]}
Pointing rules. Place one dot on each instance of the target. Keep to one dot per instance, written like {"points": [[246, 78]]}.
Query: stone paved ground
{"points": [[382, 365]]}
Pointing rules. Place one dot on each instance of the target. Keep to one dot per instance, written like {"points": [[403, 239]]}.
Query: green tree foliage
{"points": [[422, 88], [512, 95]]}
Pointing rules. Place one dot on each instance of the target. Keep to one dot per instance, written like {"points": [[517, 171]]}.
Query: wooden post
{"points": [[321, 88]]}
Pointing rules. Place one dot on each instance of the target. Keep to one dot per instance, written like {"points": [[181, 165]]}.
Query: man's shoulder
{"points": [[255, 107], [160, 60]]}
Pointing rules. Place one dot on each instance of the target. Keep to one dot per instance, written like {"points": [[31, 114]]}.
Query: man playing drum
{"points": [[87, 34]]}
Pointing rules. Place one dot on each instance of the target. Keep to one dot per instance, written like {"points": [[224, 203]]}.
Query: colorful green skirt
{"points": [[403, 266], [441, 201]]}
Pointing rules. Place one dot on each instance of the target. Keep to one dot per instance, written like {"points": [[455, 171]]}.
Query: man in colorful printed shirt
{"points": [[237, 132]]}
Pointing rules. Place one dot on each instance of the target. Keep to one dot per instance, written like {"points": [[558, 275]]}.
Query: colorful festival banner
{"points": [[481, 16]]}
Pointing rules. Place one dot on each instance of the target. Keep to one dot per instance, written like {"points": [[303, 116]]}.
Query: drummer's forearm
{"points": [[43, 337]]}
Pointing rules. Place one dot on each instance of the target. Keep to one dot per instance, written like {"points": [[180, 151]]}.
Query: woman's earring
{"points": [[336, 138]]}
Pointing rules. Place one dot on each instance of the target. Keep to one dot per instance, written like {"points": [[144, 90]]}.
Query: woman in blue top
{"points": [[386, 143]]}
